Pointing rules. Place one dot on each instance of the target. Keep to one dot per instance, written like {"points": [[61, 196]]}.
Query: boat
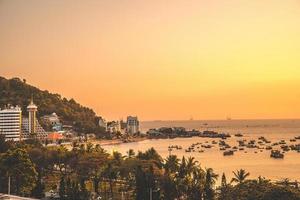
{"points": [[276, 154], [228, 153], [268, 148], [238, 135]]}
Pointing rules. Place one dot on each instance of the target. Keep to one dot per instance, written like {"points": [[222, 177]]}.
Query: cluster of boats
{"points": [[175, 147], [196, 147], [277, 148], [213, 134]]}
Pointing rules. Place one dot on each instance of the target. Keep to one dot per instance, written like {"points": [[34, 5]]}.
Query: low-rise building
{"points": [[55, 137], [53, 121]]}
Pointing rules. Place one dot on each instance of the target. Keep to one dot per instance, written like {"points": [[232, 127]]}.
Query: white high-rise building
{"points": [[133, 125], [10, 123]]}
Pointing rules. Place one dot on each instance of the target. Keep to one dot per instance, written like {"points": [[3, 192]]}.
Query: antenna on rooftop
{"points": [[31, 100]]}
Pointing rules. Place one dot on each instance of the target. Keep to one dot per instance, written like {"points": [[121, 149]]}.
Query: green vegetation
{"points": [[17, 92], [87, 172]]}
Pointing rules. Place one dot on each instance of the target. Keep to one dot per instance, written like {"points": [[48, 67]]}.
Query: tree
{"points": [[4, 145], [171, 164], [130, 153], [223, 188], [62, 189], [210, 181], [240, 176], [17, 165], [223, 181], [111, 172]]}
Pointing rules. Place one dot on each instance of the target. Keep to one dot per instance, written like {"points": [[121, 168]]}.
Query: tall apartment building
{"points": [[133, 125], [11, 123]]}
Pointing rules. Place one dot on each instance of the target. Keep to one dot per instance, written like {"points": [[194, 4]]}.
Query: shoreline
{"points": [[116, 141]]}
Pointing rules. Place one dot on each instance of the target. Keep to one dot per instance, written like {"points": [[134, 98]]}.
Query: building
{"points": [[10, 123], [102, 123], [30, 125], [133, 125], [32, 109], [54, 137], [39, 133], [113, 127], [53, 121]]}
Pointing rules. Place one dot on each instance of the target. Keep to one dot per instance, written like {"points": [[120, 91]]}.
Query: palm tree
{"points": [[223, 187], [196, 183], [117, 157], [262, 180], [224, 181], [191, 165], [111, 173], [171, 164], [284, 182], [240, 176], [89, 147], [130, 153], [210, 181]]}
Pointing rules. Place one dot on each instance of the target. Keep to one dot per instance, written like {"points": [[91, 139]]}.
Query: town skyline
{"points": [[160, 60]]}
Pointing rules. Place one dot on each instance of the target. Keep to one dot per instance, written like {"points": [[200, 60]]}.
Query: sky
{"points": [[159, 59]]}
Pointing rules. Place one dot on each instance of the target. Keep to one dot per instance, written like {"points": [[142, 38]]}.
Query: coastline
{"points": [[116, 141]]}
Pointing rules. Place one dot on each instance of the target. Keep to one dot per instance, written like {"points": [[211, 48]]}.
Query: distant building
{"points": [[113, 127], [32, 109], [54, 121], [30, 125], [133, 125], [102, 123], [55, 137], [10, 123], [123, 125], [39, 133]]}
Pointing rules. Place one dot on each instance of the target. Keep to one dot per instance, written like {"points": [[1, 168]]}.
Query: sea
{"points": [[256, 162]]}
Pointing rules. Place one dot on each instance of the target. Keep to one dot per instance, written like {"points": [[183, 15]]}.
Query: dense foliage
{"points": [[17, 92], [88, 172]]}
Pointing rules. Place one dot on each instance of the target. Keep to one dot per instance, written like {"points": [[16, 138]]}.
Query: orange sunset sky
{"points": [[159, 59]]}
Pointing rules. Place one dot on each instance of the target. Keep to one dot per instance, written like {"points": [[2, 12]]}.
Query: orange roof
{"points": [[54, 136]]}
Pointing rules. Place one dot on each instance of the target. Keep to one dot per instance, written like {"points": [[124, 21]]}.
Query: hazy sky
{"points": [[159, 59]]}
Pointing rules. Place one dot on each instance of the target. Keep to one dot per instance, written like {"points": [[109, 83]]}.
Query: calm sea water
{"points": [[257, 164]]}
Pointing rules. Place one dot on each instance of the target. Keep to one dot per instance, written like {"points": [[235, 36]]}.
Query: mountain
{"points": [[17, 92]]}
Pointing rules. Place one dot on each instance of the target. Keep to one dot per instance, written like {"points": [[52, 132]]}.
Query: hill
{"points": [[17, 92]]}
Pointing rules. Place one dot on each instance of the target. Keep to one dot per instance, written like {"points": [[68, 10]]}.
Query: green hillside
{"points": [[17, 92]]}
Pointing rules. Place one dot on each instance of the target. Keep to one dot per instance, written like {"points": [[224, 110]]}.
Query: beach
{"points": [[257, 162]]}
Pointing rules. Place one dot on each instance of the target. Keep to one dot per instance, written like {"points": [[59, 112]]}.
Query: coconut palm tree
{"points": [[210, 181], [117, 157], [191, 165], [130, 153], [111, 173], [196, 184], [262, 180], [171, 164], [240, 176]]}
